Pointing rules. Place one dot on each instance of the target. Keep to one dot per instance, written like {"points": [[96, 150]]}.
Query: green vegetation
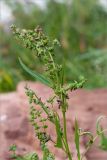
{"points": [[43, 48], [81, 29]]}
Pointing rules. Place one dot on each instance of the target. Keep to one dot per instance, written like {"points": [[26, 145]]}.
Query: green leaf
{"points": [[36, 75], [103, 142], [58, 132], [77, 140]]}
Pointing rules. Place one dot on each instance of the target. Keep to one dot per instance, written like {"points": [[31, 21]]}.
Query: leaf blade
{"points": [[36, 75], [58, 132], [77, 139]]}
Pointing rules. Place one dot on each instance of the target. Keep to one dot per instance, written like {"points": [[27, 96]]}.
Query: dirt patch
{"points": [[15, 127]]}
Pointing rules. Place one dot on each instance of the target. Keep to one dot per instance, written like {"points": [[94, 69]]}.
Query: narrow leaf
{"points": [[103, 141], [58, 132], [36, 75], [77, 140]]}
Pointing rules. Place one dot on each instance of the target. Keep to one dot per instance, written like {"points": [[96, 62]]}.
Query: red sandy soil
{"points": [[86, 105]]}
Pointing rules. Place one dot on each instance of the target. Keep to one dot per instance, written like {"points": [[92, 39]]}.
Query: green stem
{"points": [[65, 137], [53, 63], [63, 112]]}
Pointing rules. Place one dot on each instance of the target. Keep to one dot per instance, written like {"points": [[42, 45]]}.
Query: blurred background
{"points": [[80, 26]]}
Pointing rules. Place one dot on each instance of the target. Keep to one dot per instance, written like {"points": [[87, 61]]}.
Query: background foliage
{"points": [[80, 26]]}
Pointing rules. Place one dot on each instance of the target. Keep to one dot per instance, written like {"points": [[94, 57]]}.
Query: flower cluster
{"points": [[34, 99], [38, 122], [43, 47]]}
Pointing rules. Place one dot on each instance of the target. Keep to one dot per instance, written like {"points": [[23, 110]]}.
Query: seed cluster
{"points": [[43, 47], [38, 122]]}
